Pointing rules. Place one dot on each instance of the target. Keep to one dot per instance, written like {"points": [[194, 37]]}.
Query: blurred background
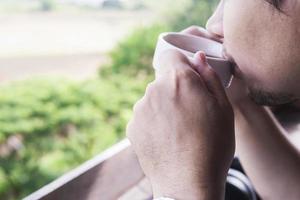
{"points": [[70, 72]]}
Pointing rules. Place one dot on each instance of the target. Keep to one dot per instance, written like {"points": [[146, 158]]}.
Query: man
{"points": [[185, 129]]}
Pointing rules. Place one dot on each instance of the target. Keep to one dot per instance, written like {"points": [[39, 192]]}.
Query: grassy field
{"points": [[40, 33], [69, 42]]}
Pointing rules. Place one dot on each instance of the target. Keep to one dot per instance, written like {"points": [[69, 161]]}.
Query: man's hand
{"points": [[267, 156], [183, 130]]}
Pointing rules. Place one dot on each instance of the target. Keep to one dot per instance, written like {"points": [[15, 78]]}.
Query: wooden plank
{"points": [[107, 176]]}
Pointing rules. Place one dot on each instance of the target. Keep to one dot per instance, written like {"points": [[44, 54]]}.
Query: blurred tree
{"points": [[133, 55], [196, 13], [48, 5]]}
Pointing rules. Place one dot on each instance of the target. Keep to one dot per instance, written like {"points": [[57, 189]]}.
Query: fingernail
{"points": [[200, 60], [203, 57], [200, 56]]}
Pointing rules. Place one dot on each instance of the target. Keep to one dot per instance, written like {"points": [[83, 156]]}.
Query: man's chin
{"points": [[266, 98]]}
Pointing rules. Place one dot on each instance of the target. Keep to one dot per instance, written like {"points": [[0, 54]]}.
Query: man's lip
{"points": [[229, 57]]}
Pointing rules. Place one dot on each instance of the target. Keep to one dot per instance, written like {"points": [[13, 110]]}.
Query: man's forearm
{"points": [[269, 159]]}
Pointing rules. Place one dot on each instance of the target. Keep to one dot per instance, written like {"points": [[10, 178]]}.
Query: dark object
{"points": [[238, 187], [237, 165]]}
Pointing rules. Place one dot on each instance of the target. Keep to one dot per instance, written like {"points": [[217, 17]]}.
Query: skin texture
{"points": [[174, 135], [182, 129], [265, 44], [270, 160]]}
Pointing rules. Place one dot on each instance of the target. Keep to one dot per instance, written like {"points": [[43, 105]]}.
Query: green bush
{"points": [[196, 13], [133, 55], [62, 124]]}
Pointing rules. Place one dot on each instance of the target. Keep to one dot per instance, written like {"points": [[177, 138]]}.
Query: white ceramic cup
{"points": [[189, 45]]}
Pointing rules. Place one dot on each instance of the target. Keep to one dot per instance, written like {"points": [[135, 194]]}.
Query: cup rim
{"points": [[163, 36]]}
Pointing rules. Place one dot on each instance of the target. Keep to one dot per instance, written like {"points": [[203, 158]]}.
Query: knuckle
{"points": [[183, 73], [145, 104], [211, 72], [138, 106], [192, 29], [186, 75], [172, 59], [171, 55], [211, 75], [151, 94], [150, 89], [128, 129]]}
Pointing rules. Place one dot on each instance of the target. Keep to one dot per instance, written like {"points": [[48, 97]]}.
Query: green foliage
{"points": [[62, 124], [196, 13], [133, 55]]}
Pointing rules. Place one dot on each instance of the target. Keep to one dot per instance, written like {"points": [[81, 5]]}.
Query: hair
{"points": [[275, 3], [266, 98]]}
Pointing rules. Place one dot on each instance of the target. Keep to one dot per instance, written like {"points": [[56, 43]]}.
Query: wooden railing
{"points": [[107, 176], [116, 174]]}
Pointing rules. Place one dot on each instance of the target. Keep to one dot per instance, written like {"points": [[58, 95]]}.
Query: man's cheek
{"points": [[240, 43]]}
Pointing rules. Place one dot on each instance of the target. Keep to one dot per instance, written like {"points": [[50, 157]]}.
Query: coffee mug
{"points": [[189, 45]]}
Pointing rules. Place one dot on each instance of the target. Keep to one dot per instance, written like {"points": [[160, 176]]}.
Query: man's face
{"points": [[265, 44]]}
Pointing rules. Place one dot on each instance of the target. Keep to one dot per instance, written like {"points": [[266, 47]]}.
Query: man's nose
{"points": [[214, 24]]}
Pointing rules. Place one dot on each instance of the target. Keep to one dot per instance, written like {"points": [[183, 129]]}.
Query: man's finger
{"points": [[171, 59], [210, 77]]}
